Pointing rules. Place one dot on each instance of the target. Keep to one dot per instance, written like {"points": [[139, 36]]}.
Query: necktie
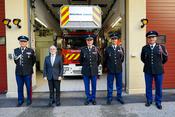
{"points": [[89, 48], [152, 47], [114, 47], [22, 49]]}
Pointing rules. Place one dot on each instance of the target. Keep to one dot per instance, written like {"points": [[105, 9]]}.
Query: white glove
{"points": [[45, 78], [59, 78]]}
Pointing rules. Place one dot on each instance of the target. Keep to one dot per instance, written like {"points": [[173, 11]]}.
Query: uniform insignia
{"points": [[29, 53], [94, 52]]}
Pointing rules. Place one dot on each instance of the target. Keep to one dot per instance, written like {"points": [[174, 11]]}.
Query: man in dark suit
{"points": [[24, 58], [114, 57], [53, 72], [153, 56], [90, 59]]}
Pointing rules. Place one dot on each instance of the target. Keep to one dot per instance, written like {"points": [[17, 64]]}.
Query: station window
{"points": [[161, 39], [2, 40]]}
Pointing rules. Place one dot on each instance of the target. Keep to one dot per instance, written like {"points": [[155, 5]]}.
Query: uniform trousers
{"points": [[158, 87], [87, 80], [110, 81], [21, 80]]}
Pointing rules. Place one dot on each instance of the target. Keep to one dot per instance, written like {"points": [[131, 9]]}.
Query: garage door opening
{"points": [[48, 32]]}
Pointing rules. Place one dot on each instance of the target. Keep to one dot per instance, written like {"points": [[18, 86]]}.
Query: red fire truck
{"points": [[77, 22]]}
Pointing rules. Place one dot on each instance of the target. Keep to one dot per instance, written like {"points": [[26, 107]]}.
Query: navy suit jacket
{"points": [[53, 72]]}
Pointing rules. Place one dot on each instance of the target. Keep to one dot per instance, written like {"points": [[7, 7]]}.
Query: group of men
{"points": [[153, 55]]}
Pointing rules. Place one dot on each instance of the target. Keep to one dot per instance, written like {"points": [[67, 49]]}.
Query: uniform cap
{"points": [[23, 38], [151, 34], [114, 35], [90, 37]]}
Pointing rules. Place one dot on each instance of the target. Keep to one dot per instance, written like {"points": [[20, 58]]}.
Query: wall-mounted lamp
{"points": [[7, 22], [144, 22], [16, 22]]}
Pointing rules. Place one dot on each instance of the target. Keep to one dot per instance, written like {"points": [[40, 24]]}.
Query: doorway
{"points": [[44, 38]]}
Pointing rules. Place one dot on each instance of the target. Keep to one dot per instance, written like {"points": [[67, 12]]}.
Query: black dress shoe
{"points": [[86, 102], [159, 106], [120, 100], [29, 103], [94, 102], [108, 102], [147, 104], [19, 104], [51, 103], [58, 103]]}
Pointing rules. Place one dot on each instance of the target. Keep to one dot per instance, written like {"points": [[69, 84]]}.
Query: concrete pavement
{"points": [[72, 106]]}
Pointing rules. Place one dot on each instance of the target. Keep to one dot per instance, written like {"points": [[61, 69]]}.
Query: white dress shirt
{"points": [[114, 47], [152, 46], [22, 49], [52, 58]]}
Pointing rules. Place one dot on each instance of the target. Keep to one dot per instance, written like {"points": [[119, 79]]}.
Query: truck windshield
{"points": [[74, 43]]}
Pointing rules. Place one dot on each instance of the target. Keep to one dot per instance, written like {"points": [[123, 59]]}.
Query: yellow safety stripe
{"points": [[71, 56], [77, 56]]}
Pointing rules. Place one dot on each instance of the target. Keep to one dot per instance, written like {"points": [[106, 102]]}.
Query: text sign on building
{"points": [[80, 17]]}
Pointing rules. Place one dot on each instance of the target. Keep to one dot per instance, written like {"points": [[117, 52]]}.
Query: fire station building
{"points": [[160, 15]]}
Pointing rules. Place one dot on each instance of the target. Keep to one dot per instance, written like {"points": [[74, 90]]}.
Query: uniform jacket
{"points": [[54, 71], [89, 61], [113, 59], [154, 59], [24, 61]]}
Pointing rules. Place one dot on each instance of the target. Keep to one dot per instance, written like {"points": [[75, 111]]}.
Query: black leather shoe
{"points": [[108, 102], [147, 104], [159, 106], [94, 102], [51, 103], [19, 104], [29, 103], [120, 100], [58, 103], [86, 102]]}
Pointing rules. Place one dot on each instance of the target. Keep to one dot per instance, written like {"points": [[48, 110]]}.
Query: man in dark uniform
{"points": [[24, 58], [153, 56], [90, 59], [114, 57]]}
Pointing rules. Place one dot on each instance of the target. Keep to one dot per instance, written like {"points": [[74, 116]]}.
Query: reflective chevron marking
{"points": [[76, 57]]}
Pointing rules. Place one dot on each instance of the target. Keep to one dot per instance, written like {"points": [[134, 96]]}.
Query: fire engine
{"points": [[76, 22]]}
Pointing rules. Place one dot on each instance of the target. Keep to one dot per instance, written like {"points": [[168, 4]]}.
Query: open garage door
{"points": [[48, 32]]}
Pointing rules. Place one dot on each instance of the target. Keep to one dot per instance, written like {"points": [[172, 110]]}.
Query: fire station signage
{"points": [[80, 17]]}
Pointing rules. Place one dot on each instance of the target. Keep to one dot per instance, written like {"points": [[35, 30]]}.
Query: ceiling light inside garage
{"points": [[116, 22], [38, 20]]}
